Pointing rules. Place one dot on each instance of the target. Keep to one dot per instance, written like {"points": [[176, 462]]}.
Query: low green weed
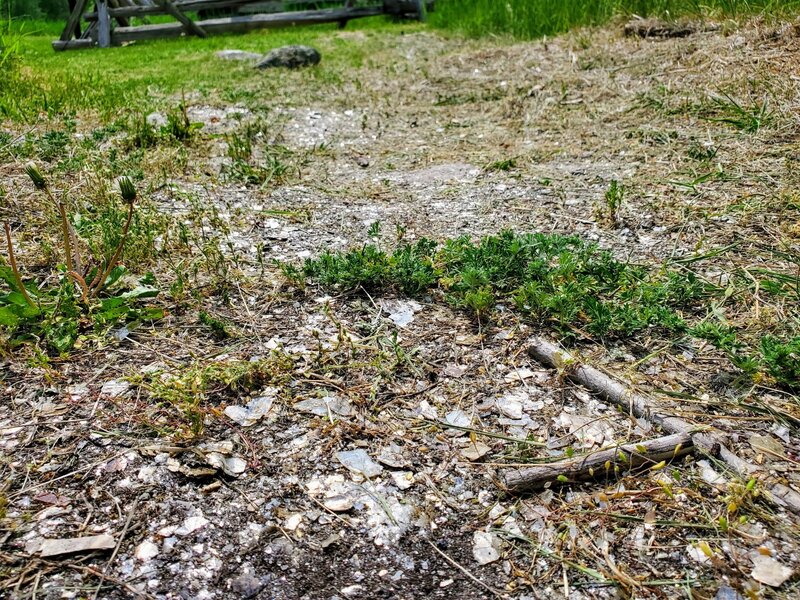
{"points": [[609, 212], [561, 282], [144, 132], [195, 389], [78, 299], [747, 118], [273, 165], [551, 278]]}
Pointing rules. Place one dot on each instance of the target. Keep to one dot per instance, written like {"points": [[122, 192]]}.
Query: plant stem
{"points": [[98, 282], [64, 230], [81, 282], [13, 261]]}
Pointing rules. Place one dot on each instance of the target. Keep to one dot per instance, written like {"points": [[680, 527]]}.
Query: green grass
{"points": [[530, 19], [146, 76]]}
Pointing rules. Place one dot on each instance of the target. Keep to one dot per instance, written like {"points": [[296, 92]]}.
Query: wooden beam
{"points": [[103, 24], [72, 44], [188, 24], [182, 5], [244, 23], [73, 20]]}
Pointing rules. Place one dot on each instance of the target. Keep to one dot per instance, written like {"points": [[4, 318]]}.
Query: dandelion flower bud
{"points": [[127, 190], [36, 176]]}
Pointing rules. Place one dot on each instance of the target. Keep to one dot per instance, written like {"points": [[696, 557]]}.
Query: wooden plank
{"points": [[103, 24], [182, 5], [189, 25], [73, 20], [72, 44], [244, 23]]}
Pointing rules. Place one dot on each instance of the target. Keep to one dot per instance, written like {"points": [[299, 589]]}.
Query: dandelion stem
{"points": [[13, 261]]}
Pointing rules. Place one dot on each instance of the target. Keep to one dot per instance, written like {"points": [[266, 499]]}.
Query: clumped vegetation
{"points": [[530, 19], [54, 311], [561, 282]]}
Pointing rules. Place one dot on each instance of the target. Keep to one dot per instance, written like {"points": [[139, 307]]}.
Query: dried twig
{"points": [[710, 442], [607, 463], [488, 588]]}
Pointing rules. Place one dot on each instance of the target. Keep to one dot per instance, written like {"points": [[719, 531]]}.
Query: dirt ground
{"points": [[370, 461]]}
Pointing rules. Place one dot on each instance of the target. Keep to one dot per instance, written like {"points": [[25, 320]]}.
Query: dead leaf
{"points": [[81, 544], [52, 499]]}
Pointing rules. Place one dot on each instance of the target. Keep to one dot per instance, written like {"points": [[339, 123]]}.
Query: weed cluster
{"points": [[273, 164], [560, 282], [143, 133], [554, 279], [79, 297], [192, 388]]}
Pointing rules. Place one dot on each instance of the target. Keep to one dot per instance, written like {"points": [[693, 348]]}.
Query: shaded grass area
{"points": [[564, 283], [528, 19], [143, 76]]}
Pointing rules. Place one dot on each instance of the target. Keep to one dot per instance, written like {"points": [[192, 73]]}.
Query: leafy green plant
{"points": [[782, 360], [77, 299], [502, 165], [609, 211], [554, 279]]}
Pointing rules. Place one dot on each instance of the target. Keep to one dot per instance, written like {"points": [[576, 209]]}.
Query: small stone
{"points": [[146, 551], [510, 405], [338, 503], [769, 571], [290, 57], [458, 418], [403, 479], [114, 388], [246, 585], [255, 410], [728, 593], [293, 522], [475, 451], [392, 456], [323, 407], [191, 524], [352, 591], [358, 461], [485, 547]]}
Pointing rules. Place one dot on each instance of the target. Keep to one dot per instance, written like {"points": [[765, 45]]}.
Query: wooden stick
{"points": [[188, 24], [73, 21], [610, 463], [710, 441], [244, 23]]}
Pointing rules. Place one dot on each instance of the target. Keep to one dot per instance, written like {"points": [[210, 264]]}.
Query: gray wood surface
{"points": [[605, 464], [243, 23], [189, 25], [103, 25]]}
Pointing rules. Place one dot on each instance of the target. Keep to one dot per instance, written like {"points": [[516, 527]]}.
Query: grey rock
{"points": [[246, 585], [239, 55], [291, 57]]}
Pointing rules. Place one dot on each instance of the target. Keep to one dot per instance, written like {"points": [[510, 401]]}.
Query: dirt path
{"points": [[437, 138]]}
